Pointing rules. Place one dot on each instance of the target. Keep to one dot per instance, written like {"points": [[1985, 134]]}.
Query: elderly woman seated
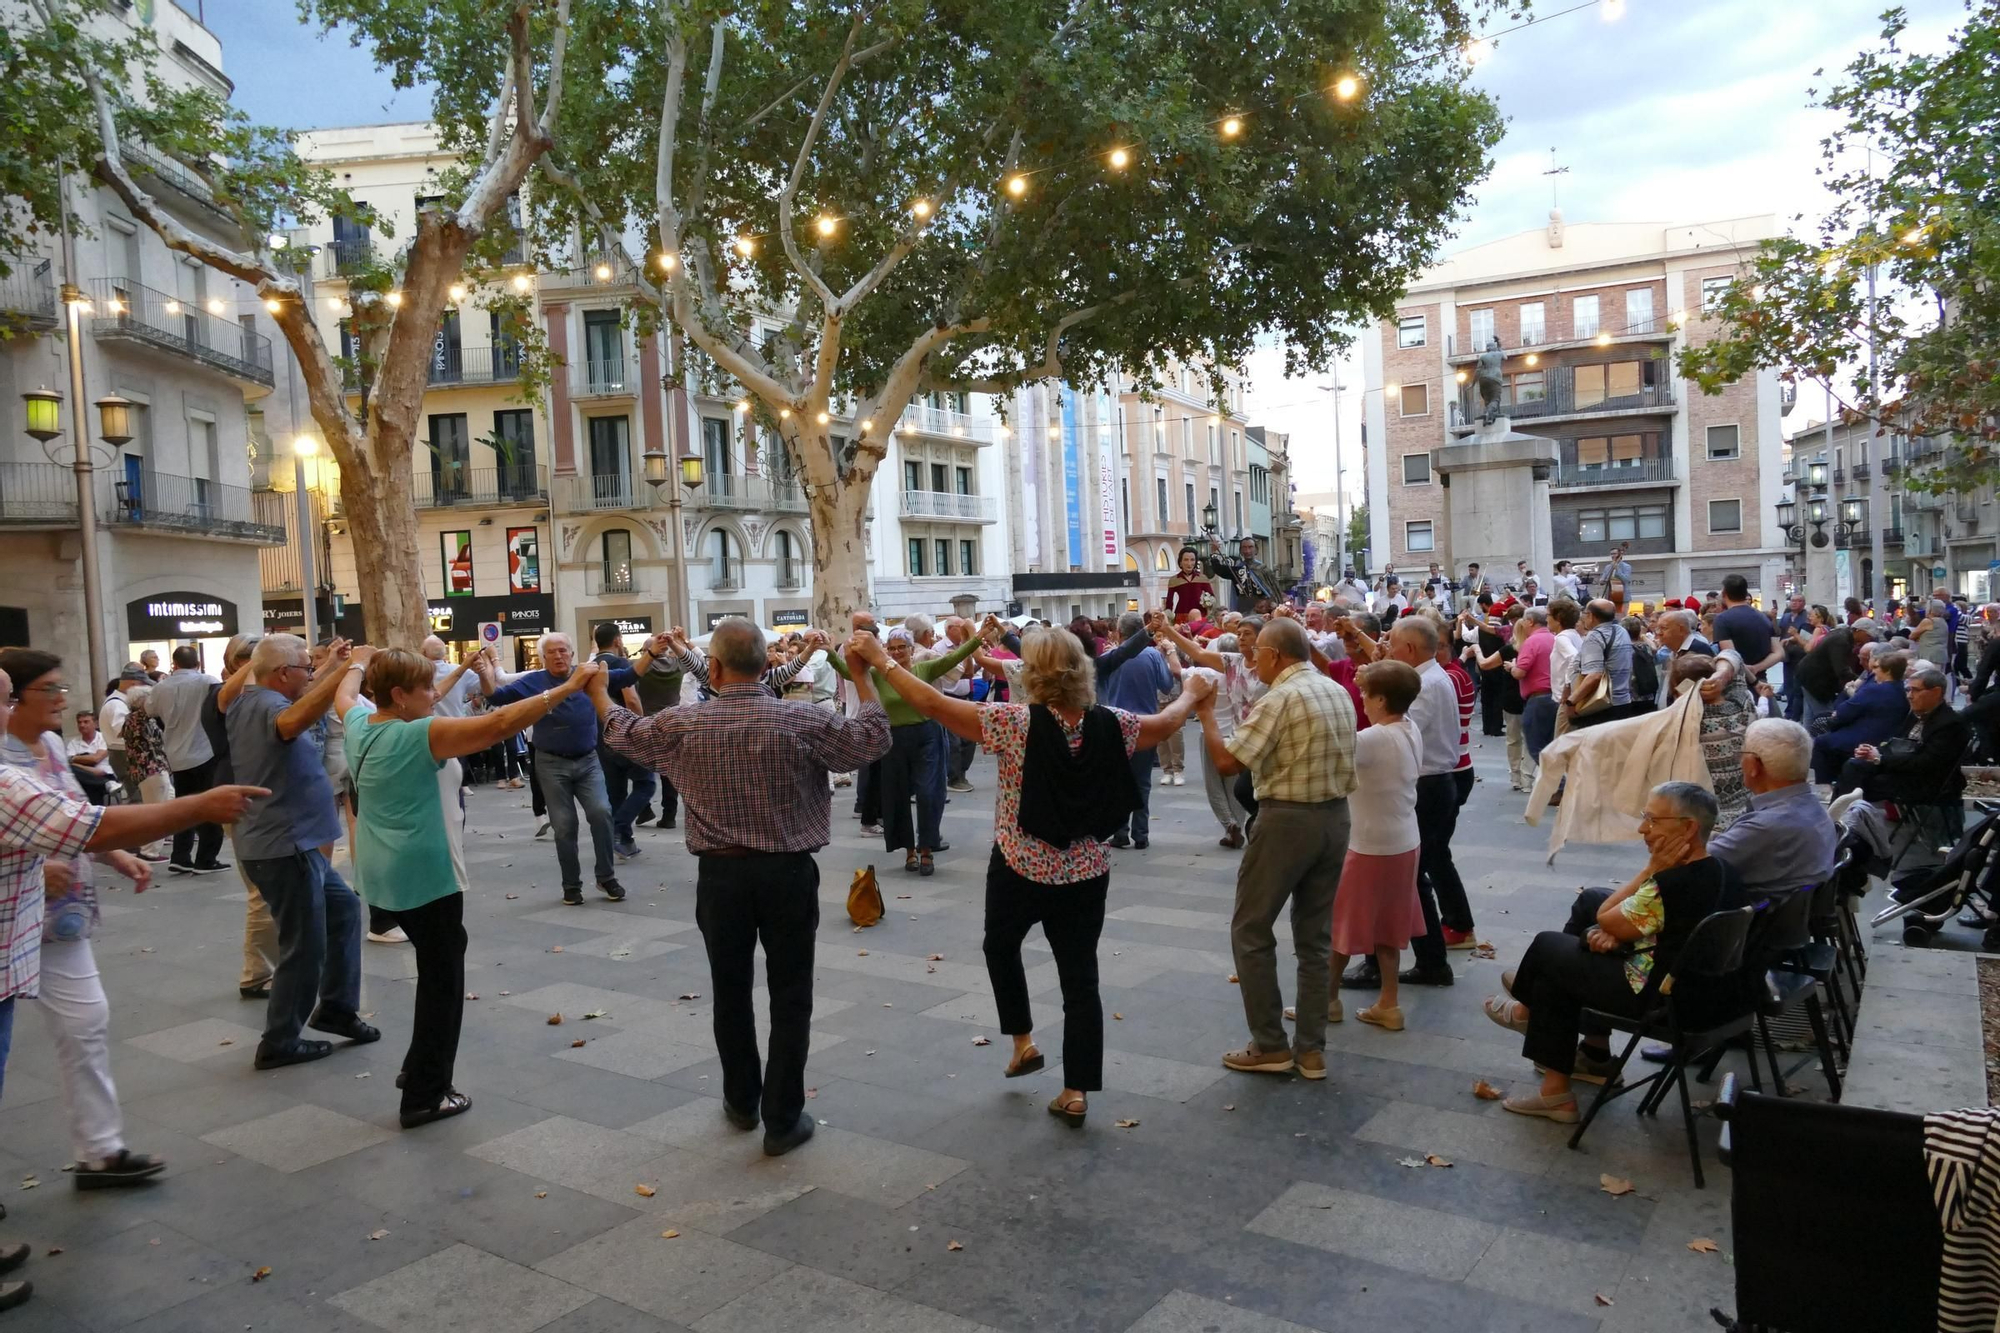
{"points": [[1614, 950]]}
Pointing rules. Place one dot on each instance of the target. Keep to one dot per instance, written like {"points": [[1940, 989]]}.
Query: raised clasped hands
{"points": [[1200, 688], [590, 676], [864, 649]]}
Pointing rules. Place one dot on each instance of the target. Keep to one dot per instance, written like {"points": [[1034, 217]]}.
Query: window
{"points": [[1533, 327], [610, 459], [1215, 502], [943, 545], [1159, 430], [967, 563], [1712, 292], [790, 572], [1525, 386], [1583, 317], [715, 447], [514, 450], [1416, 469], [1611, 451], [724, 569], [916, 557], [1125, 504], [964, 476], [451, 457], [603, 351], [1639, 310], [1187, 437], [1725, 516], [1416, 400], [913, 476], [940, 480], [1604, 383], [1417, 536], [1239, 511], [1652, 520], [1412, 331], [617, 560], [1482, 329], [1723, 441], [1214, 443], [1161, 562], [1622, 524], [1190, 504], [1160, 484], [1590, 525]]}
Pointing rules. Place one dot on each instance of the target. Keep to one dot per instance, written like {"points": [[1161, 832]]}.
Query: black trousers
{"points": [[740, 902], [198, 845], [868, 792], [535, 800], [1559, 977], [437, 933], [1492, 695], [1439, 889], [1072, 918]]}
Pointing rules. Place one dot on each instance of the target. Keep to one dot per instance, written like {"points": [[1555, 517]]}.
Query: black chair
{"points": [[1806, 1174], [1797, 968], [1823, 925], [1697, 1010]]}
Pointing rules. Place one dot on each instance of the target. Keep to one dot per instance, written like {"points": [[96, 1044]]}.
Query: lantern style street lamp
{"points": [[114, 417], [44, 413]]}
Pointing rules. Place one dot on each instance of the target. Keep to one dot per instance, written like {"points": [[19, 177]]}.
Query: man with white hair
{"points": [[1680, 633], [455, 684], [1785, 841]]}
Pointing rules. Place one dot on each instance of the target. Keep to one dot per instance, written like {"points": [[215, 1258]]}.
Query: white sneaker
{"points": [[393, 935]]}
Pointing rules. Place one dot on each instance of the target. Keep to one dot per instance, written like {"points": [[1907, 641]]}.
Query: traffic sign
{"points": [[489, 632]]}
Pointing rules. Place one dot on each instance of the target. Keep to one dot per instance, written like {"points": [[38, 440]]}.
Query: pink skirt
{"points": [[1376, 905]]}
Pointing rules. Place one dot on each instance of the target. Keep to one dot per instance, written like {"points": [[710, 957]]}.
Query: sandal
{"points": [[910, 861], [1071, 1110], [453, 1103], [1560, 1108], [1506, 1013], [1031, 1063], [929, 867]]}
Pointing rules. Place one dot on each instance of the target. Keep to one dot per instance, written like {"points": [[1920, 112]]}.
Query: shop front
{"points": [[333, 614], [523, 618], [164, 621], [633, 630]]}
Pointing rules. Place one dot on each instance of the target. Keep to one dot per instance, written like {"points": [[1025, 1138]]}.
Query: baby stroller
{"points": [[1966, 881]]}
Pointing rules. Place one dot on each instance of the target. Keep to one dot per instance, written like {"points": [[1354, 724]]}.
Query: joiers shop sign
{"points": [[179, 615]]}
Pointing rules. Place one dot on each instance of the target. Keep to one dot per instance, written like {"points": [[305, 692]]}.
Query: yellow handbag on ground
{"points": [[864, 898]]}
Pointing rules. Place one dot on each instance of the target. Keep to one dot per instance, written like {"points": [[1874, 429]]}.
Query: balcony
{"points": [[950, 507], [939, 421], [602, 378], [590, 493], [1893, 536], [791, 575], [127, 312], [1861, 471], [160, 501], [344, 257], [731, 491], [180, 180], [1656, 329], [1923, 501], [725, 575], [28, 295], [455, 367], [481, 487], [1571, 474], [37, 495], [600, 580], [1561, 400]]}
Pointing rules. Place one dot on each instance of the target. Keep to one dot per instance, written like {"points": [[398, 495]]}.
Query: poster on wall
{"points": [[524, 559], [457, 563]]}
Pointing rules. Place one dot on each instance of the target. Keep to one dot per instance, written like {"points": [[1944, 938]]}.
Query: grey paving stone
{"points": [[1184, 1312], [137, 1272], [570, 1152], [462, 1289], [1495, 1137], [1561, 1273], [644, 1053], [1417, 1240], [296, 1138], [612, 921], [605, 1315], [805, 1297], [680, 1278], [202, 1040], [1151, 1076]]}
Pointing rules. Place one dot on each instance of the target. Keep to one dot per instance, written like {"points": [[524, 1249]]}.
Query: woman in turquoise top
{"points": [[403, 763]]}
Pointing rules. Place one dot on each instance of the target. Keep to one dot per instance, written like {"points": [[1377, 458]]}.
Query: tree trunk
{"points": [[840, 553], [388, 568]]}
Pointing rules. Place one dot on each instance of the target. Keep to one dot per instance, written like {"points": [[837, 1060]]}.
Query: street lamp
{"points": [[304, 447], [114, 417], [658, 474], [1208, 516], [44, 411]]}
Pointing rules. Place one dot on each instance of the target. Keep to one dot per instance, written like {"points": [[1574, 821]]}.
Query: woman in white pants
{"points": [[72, 998]]}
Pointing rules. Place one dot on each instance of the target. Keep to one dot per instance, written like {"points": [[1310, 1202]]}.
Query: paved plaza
{"points": [[595, 1188]]}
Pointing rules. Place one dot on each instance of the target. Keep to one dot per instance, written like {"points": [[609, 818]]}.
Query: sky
{"points": [[1677, 111]]}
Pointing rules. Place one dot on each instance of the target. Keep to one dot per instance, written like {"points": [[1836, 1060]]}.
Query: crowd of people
{"points": [[1333, 737]]}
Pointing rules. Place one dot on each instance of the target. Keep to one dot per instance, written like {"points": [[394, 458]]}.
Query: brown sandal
{"points": [[910, 861], [928, 866], [1030, 1063], [1070, 1110]]}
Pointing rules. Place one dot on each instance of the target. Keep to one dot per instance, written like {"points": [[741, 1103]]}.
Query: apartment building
{"points": [[1277, 524], [1590, 318], [1065, 485], [1186, 455], [938, 536], [179, 529]]}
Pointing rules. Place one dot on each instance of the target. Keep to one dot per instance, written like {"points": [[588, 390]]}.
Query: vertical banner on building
{"points": [[1843, 576], [457, 563], [1030, 436], [1107, 476], [1072, 477], [524, 560]]}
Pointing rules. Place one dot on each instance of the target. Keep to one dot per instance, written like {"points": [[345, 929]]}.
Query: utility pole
{"points": [[1339, 512]]}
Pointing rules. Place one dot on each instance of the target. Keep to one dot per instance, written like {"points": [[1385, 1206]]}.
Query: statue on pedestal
{"points": [[1487, 374]]}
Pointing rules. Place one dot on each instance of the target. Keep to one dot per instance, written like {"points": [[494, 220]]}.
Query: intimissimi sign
{"points": [[180, 615]]}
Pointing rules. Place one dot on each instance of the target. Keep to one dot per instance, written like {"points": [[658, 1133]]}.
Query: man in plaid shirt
{"points": [[752, 772]]}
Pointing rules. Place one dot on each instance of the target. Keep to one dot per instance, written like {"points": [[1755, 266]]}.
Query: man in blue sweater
{"points": [[566, 764]]}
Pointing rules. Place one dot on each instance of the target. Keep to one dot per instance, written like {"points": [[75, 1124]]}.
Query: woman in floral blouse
{"points": [[1028, 880]]}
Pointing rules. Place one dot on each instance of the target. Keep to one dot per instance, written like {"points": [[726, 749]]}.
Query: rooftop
{"points": [[1566, 247]]}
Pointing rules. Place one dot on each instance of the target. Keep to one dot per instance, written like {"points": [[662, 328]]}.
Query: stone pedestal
{"points": [[1496, 488]]}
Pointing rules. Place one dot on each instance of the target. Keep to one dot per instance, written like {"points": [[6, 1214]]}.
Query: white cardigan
{"points": [[1613, 767]]}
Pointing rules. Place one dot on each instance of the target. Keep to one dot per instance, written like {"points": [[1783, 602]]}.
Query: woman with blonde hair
{"points": [[409, 839], [1065, 785]]}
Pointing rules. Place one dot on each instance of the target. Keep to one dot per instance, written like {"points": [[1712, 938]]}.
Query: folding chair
{"points": [[1684, 1019], [1798, 968], [1834, 1226]]}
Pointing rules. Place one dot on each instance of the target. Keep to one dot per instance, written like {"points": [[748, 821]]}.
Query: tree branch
{"points": [[788, 197], [558, 58]]}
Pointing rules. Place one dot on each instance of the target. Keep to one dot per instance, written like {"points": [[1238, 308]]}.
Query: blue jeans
{"points": [[319, 943], [1813, 708], [1141, 823], [565, 782], [911, 772], [6, 1037], [629, 789], [1538, 724]]}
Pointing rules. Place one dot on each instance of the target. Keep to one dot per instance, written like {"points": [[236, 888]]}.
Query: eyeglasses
{"points": [[53, 691]]}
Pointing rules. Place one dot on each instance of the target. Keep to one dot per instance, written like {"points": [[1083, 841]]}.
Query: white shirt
{"points": [[1382, 809], [456, 702], [176, 701], [1562, 662], [111, 720], [1352, 589], [1435, 718], [1382, 603], [1571, 585], [77, 747]]}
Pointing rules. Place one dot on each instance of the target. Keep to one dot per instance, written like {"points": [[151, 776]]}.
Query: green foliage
{"points": [[1925, 214], [1357, 534]]}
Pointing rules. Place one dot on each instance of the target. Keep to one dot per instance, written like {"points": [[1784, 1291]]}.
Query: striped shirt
{"points": [[36, 821], [1468, 696], [1298, 742], [750, 768]]}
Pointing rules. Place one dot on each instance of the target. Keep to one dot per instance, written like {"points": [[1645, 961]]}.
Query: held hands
{"points": [[1867, 754], [590, 676], [362, 655], [1201, 689], [864, 649], [1600, 940]]}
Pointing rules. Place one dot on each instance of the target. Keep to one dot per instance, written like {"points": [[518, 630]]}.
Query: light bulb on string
{"points": [[1055, 432], [520, 282], [1534, 359], [602, 272], [667, 263], [1614, 10], [1120, 159], [394, 298], [1231, 127], [743, 405], [457, 292], [745, 246], [215, 307], [1478, 50], [1017, 186], [827, 226], [784, 414], [1346, 86], [822, 418], [1603, 340], [271, 304]]}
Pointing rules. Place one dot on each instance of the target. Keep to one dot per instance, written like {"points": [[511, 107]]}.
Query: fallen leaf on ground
{"points": [[899, 898], [29, 1182], [953, 1245], [621, 953], [868, 1052], [227, 1041], [541, 1194], [1233, 981], [690, 995], [578, 1042], [1614, 1186], [1119, 1017], [1600, 1298], [556, 949], [1486, 1092], [981, 1041], [1128, 1124], [1435, 1160], [364, 1074], [257, 1276], [377, 1235], [937, 958], [887, 1005], [512, 896], [555, 1020], [1482, 950], [55, 1250], [1229, 1106], [644, 1191], [811, 1093], [669, 1233], [472, 995], [929, 968], [1410, 1161], [506, 992], [147, 948], [860, 953], [598, 1013], [1703, 1245]]}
